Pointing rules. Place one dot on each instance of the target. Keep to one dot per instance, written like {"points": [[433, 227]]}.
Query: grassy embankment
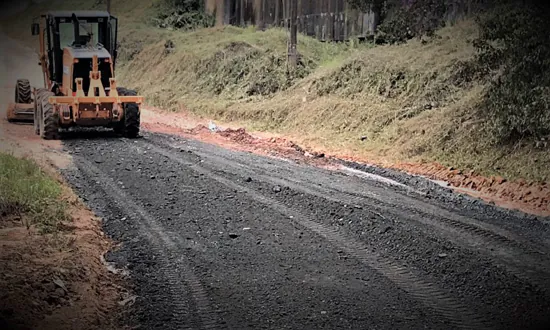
{"points": [[406, 99], [31, 195]]}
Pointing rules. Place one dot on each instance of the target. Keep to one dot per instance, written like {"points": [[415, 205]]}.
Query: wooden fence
{"points": [[327, 20]]}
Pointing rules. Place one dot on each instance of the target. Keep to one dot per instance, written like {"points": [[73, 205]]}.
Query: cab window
{"points": [[66, 35]]}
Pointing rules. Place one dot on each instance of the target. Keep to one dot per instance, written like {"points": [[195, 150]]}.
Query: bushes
{"points": [[183, 15], [403, 20], [421, 18], [514, 47]]}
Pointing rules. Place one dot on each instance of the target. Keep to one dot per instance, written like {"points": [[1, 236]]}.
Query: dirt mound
{"points": [[238, 135], [199, 129]]}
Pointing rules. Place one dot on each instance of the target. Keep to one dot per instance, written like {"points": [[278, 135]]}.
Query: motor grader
{"points": [[78, 51]]}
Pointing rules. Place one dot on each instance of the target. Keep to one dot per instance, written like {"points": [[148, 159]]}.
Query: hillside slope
{"points": [[401, 97], [397, 103]]}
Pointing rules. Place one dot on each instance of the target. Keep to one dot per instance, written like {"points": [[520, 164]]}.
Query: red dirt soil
{"points": [[57, 281], [53, 281], [533, 198]]}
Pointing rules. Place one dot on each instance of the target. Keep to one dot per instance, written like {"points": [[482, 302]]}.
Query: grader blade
{"points": [[20, 112]]}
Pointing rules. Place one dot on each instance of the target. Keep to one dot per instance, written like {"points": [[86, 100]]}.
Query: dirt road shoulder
{"points": [[51, 244]]}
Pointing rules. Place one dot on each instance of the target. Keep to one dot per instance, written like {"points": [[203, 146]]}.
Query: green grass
{"points": [[228, 63], [28, 192]]}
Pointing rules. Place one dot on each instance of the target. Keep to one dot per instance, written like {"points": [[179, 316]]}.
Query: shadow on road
{"points": [[89, 134], [21, 123]]}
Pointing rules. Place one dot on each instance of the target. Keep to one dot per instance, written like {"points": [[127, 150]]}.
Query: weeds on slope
{"points": [[28, 192], [514, 45], [241, 69], [228, 63]]}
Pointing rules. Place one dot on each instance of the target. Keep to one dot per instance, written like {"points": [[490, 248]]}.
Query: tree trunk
{"points": [[292, 51], [258, 12], [376, 11], [220, 12], [277, 9], [242, 12], [227, 12]]}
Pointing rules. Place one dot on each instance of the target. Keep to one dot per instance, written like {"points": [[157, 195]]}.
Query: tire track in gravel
{"points": [[274, 275], [425, 209], [175, 268], [526, 263], [452, 218], [512, 254], [424, 292]]}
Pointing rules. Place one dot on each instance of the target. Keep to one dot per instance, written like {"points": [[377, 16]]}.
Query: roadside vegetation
{"points": [[467, 90], [51, 275], [29, 194]]}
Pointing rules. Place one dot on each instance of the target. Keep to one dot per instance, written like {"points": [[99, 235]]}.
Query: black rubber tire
{"points": [[129, 125], [23, 91], [49, 124], [38, 109]]}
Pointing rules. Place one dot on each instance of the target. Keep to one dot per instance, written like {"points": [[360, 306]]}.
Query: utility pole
{"points": [[109, 6], [292, 49]]}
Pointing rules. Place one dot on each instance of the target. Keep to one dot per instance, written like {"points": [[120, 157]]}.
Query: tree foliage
{"points": [[365, 5], [514, 45], [401, 20], [183, 14]]}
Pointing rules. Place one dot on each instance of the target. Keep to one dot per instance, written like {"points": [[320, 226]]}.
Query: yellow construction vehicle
{"points": [[77, 54]]}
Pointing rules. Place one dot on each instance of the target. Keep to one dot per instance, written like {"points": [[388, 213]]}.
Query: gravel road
{"points": [[218, 239]]}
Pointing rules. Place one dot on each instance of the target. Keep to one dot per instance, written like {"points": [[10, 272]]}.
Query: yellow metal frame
{"points": [[90, 97], [101, 101], [56, 100]]}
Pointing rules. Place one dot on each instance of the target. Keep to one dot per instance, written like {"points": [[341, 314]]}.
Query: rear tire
{"points": [[49, 124], [129, 125], [23, 91]]}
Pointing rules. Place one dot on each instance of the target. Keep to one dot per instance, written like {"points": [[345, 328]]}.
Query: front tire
{"points": [[129, 125], [49, 123], [37, 118]]}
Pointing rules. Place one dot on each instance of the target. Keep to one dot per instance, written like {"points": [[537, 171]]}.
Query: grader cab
{"points": [[77, 55]]}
